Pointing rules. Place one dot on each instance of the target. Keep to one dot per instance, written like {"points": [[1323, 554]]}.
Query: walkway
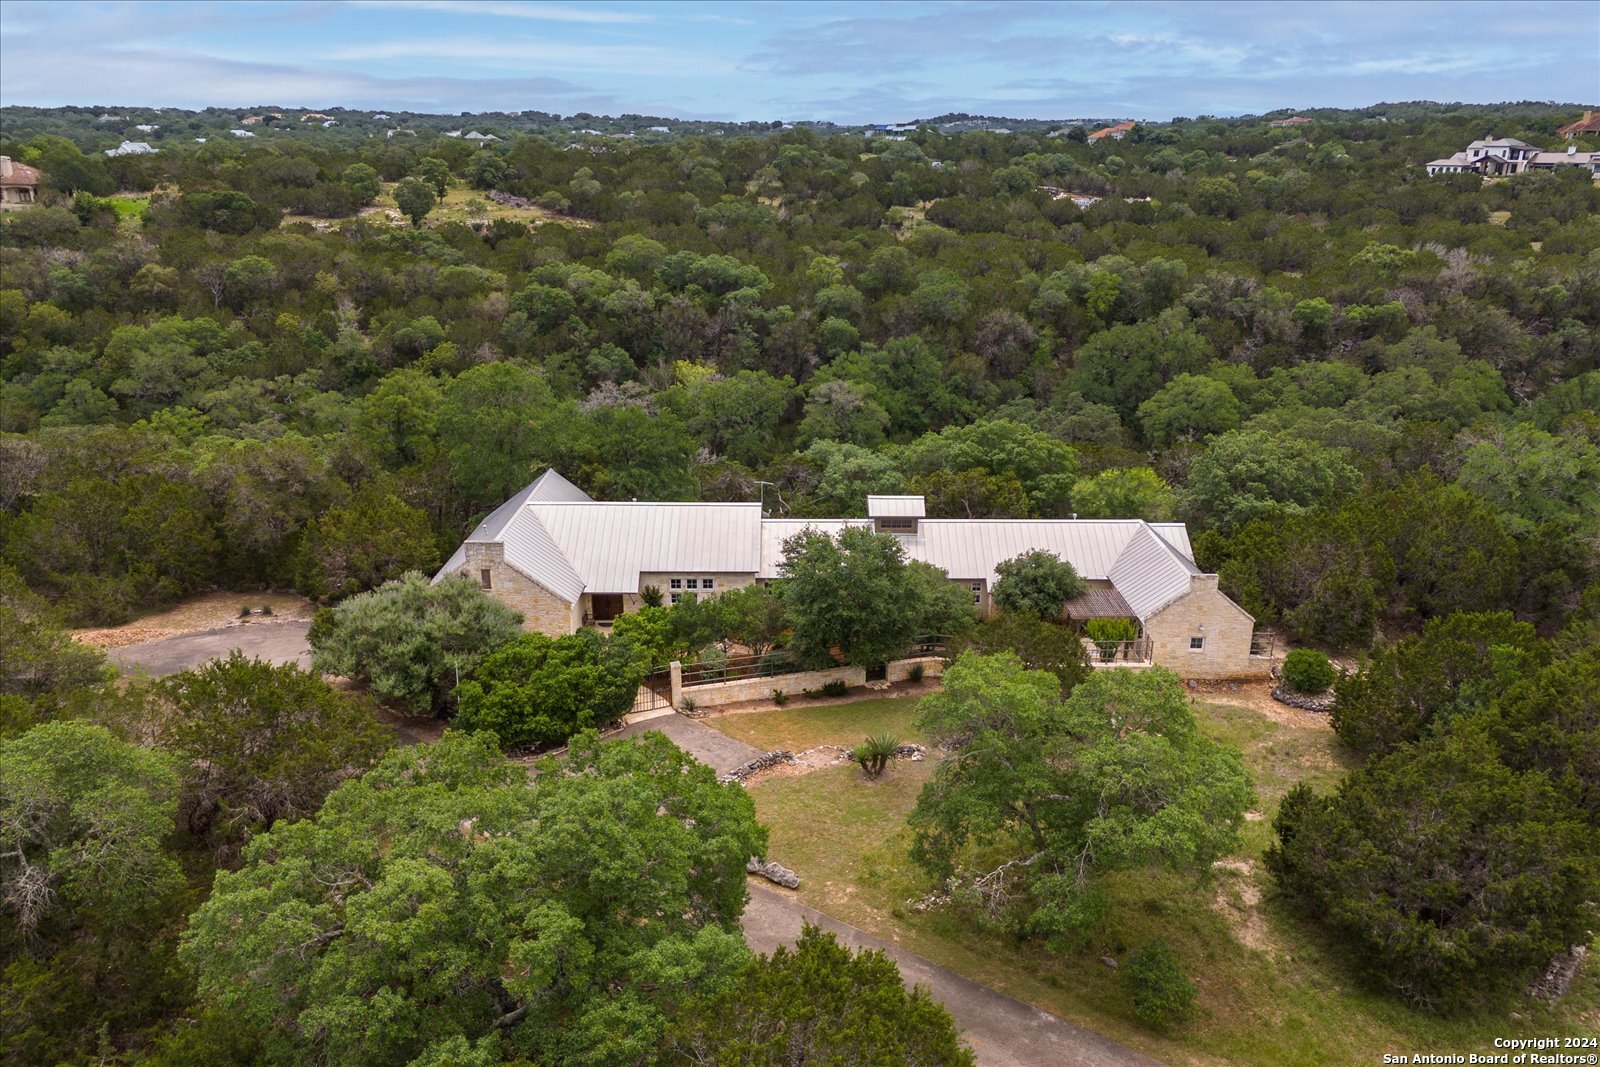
{"points": [[712, 747], [275, 642]]}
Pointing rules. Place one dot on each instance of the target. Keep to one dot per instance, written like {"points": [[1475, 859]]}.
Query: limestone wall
{"points": [[1206, 613], [542, 611], [899, 670], [717, 694]]}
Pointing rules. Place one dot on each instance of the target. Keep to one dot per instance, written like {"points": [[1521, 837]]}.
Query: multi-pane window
{"points": [[706, 583], [977, 592], [676, 596], [1197, 644], [692, 583], [677, 583]]}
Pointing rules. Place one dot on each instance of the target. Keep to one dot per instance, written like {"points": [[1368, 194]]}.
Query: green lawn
{"points": [[802, 725], [1273, 989]]}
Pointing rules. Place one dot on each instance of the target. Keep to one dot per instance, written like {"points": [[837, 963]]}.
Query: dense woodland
{"points": [[1374, 395]]}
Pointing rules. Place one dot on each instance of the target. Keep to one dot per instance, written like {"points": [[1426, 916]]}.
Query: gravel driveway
{"points": [[276, 642]]}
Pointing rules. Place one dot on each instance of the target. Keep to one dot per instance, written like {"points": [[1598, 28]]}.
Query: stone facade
{"points": [[542, 611], [1224, 627]]}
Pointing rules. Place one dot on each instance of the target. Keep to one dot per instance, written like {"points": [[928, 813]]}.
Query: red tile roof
{"points": [[22, 174], [1121, 127], [1590, 123]]}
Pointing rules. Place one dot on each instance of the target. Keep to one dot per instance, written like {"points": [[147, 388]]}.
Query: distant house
{"points": [[314, 116], [1115, 133], [1590, 123], [251, 120], [380, 115], [329, 122], [659, 129], [1499, 157], [131, 148], [147, 128], [566, 561], [1293, 120], [483, 137], [241, 133], [19, 183]]}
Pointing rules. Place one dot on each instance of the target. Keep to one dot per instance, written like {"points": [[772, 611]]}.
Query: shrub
{"points": [[266, 609], [1036, 583], [1306, 670], [779, 697], [687, 705], [914, 673], [835, 688], [244, 611], [875, 753], [539, 690], [1108, 634], [650, 596], [1162, 994]]}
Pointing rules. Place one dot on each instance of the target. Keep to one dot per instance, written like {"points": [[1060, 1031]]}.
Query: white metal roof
{"points": [[610, 544], [557, 536], [896, 507], [1150, 574], [548, 486]]}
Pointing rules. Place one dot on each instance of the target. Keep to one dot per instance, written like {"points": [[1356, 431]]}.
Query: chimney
{"points": [[1572, 149], [5, 166]]}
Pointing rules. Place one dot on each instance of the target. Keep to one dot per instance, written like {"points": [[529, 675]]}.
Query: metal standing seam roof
{"points": [[609, 544], [896, 507], [548, 486], [1150, 574], [558, 537]]}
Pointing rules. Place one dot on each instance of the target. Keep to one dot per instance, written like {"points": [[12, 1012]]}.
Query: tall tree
{"points": [[449, 902]]}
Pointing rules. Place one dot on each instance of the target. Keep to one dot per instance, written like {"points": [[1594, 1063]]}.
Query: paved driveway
{"points": [[276, 642], [1004, 1032], [712, 747]]}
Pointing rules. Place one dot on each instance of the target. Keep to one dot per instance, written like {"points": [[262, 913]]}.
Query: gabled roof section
{"points": [[610, 544], [896, 507], [1150, 573], [531, 549], [550, 487]]}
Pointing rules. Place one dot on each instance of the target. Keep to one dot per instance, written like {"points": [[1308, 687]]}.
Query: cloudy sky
{"points": [[850, 62]]}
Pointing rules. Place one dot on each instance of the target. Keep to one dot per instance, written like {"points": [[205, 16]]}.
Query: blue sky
{"points": [[849, 62]]}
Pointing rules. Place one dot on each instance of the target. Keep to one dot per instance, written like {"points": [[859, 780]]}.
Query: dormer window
{"points": [[896, 514]]}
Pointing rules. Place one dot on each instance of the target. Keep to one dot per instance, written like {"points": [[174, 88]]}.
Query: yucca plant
{"points": [[875, 753]]}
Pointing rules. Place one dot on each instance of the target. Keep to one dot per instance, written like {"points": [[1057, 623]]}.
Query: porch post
{"points": [[676, 672]]}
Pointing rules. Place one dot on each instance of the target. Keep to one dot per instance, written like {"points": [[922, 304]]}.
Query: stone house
{"points": [[567, 561], [19, 183]]}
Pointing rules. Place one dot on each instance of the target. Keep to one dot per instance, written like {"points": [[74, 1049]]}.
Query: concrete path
{"points": [[712, 747], [1004, 1032], [276, 642]]}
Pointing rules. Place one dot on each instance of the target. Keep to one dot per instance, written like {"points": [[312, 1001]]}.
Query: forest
{"points": [[316, 362]]}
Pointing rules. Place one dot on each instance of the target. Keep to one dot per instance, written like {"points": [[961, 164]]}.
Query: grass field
{"points": [[802, 725], [1273, 988], [461, 203]]}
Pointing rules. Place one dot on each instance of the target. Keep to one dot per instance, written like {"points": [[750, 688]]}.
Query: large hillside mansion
{"points": [[1497, 157], [567, 561]]}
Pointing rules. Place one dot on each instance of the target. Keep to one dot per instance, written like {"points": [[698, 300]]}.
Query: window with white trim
{"points": [[706, 583], [692, 583], [977, 592], [1197, 644], [676, 583], [676, 596]]}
